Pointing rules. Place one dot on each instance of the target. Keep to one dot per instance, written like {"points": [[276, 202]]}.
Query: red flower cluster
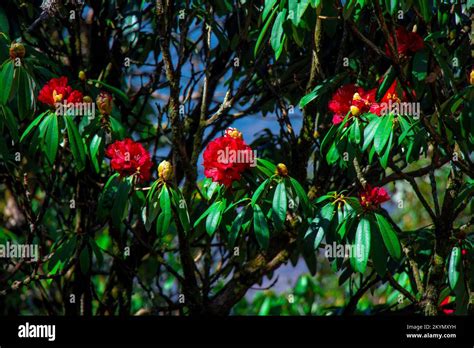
{"points": [[356, 100], [350, 98], [407, 42], [129, 157], [221, 157], [58, 91], [372, 197]]}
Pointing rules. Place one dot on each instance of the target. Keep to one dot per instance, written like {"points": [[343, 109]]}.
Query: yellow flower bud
{"points": [[82, 75], [471, 78], [356, 96], [355, 110], [87, 99], [17, 50], [165, 171], [281, 170], [233, 133]]}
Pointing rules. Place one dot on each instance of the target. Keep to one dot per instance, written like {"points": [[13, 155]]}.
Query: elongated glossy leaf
{"points": [[6, 80], [76, 144], [382, 133], [163, 224], [386, 155], [32, 125], [280, 205], [389, 237], [119, 208], [264, 32], [276, 38], [379, 253], [51, 138], [319, 226], [214, 218], [258, 192], [236, 227], [362, 245], [182, 208], [454, 267], [10, 122], [260, 227], [369, 132], [301, 195]]}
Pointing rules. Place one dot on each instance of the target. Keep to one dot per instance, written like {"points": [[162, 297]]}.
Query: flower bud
{"points": [[17, 50], [355, 110], [82, 75], [165, 171], [104, 103], [281, 170], [471, 77], [233, 133], [87, 99]]}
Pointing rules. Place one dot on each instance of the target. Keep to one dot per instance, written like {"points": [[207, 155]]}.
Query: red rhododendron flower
{"points": [[129, 157], [58, 91], [350, 98], [226, 157], [372, 197], [407, 42]]}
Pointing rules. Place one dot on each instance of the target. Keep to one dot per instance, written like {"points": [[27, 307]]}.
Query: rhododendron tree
{"points": [[168, 157]]}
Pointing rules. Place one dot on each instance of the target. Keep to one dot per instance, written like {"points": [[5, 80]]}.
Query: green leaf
{"points": [[454, 267], [76, 144], [276, 38], [264, 32], [379, 253], [182, 208], [32, 126], [320, 225], [163, 223], [321, 89], [215, 216], [268, 7], [236, 227], [25, 98], [119, 208], [389, 237], [280, 205], [6, 79], [384, 158], [302, 196], [362, 245], [10, 122], [382, 133], [51, 137], [94, 149], [258, 192], [260, 227], [369, 131]]}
